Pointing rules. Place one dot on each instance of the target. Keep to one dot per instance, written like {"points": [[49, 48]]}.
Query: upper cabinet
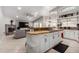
{"points": [[70, 22], [45, 21], [69, 19]]}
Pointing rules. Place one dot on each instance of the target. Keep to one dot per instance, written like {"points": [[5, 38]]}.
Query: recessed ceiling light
{"points": [[16, 16], [35, 14], [19, 8], [54, 12]]}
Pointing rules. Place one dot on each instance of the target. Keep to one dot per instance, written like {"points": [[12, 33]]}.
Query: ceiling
{"points": [[69, 9], [33, 11], [13, 11]]}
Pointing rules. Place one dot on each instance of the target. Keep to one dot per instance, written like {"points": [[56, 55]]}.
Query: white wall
{"points": [[1, 23], [3, 20]]}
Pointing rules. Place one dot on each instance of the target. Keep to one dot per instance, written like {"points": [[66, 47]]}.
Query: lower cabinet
{"points": [[76, 35], [67, 34], [71, 34]]}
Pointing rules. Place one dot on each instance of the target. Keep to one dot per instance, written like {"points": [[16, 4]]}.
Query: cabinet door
{"points": [[55, 37], [51, 40], [34, 43], [65, 33], [59, 38], [70, 34], [47, 41], [76, 35], [37, 43], [42, 43]]}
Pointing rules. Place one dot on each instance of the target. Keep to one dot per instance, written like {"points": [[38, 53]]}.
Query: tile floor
{"points": [[10, 45]]}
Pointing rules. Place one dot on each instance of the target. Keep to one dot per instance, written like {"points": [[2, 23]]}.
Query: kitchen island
{"points": [[42, 41]]}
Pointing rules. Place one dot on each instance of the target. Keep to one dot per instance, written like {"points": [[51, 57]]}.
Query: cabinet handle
{"points": [[58, 35], [45, 40], [78, 37], [53, 36]]}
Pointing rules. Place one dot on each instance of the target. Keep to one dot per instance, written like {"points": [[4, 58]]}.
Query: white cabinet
{"points": [[56, 37], [66, 33], [71, 34], [38, 43], [47, 41], [33, 43], [51, 41], [42, 42], [76, 35]]}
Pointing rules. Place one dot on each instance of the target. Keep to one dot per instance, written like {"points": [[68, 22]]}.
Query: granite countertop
{"points": [[42, 32]]}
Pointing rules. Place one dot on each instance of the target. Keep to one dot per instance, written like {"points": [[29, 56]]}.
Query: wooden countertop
{"points": [[42, 32]]}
